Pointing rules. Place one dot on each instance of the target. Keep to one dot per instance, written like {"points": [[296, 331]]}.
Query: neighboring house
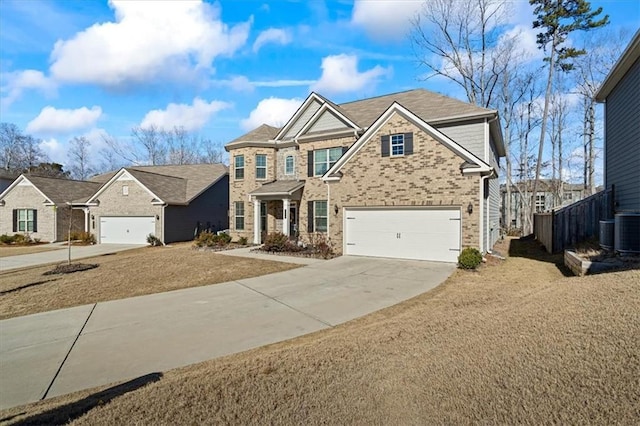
{"points": [[621, 94], [408, 175], [173, 203], [38, 206], [6, 178], [548, 198]]}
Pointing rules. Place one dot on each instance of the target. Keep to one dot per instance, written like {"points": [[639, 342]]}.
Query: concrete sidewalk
{"points": [[60, 255], [54, 353]]}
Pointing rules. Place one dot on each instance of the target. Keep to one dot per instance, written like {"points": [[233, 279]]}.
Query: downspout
{"points": [[162, 223], [328, 207], [55, 223], [481, 221]]}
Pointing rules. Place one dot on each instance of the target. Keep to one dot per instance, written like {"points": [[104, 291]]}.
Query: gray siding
{"points": [[208, 210], [469, 135], [494, 211], [327, 121], [622, 145], [302, 120]]}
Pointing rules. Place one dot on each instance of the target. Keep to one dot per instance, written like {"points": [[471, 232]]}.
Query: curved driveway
{"points": [[58, 352]]}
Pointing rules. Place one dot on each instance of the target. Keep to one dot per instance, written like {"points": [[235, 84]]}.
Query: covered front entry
{"points": [[404, 233], [126, 229], [276, 203]]}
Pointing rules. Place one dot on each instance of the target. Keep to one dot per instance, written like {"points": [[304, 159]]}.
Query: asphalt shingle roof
{"points": [[279, 187], [175, 184], [61, 191]]}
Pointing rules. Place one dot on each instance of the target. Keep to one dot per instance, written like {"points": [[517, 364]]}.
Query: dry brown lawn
{"points": [[10, 250], [516, 343], [125, 274]]}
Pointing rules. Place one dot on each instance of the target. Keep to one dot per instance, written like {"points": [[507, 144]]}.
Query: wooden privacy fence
{"points": [[574, 223]]}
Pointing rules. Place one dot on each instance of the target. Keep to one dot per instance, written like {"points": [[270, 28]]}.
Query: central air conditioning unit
{"points": [[627, 233], [606, 234]]}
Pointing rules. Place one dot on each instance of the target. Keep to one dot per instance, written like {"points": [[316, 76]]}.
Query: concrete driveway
{"points": [[60, 255], [58, 352]]}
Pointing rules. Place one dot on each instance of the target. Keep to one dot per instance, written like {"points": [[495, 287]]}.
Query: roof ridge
{"points": [[389, 94], [154, 173], [57, 178]]}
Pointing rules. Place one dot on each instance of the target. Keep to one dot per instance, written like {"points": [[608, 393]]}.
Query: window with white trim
{"points": [[239, 215], [25, 220], [323, 159], [319, 216], [540, 203], [238, 163], [261, 166], [397, 145], [289, 165]]}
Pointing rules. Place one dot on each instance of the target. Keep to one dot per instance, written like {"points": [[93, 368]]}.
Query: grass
{"points": [[517, 342], [124, 274], [7, 250]]}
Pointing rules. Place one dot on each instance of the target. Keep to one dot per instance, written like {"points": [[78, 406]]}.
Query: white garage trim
{"points": [[403, 232], [126, 229]]}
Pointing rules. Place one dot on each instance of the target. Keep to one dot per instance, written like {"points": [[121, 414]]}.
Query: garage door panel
{"points": [[403, 233], [126, 229]]}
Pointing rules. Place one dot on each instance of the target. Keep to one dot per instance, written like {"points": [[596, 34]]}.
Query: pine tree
{"points": [[557, 19]]}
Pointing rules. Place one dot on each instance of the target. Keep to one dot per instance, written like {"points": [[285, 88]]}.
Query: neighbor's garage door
{"points": [[403, 233], [126, 230]]}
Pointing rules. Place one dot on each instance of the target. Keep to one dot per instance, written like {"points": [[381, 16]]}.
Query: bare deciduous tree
{"points": [[80, 156]]}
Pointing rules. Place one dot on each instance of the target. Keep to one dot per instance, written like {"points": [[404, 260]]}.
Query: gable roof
{"points": [[58, 190], [628, 58], [472, 162], [176, 184], [264, 133]]}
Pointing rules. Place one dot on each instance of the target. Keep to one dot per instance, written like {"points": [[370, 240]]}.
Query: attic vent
{"points": [[606, 234], [627, 232]]}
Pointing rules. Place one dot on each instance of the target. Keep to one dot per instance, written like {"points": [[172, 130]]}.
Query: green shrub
{"points": [[153, 241], [470, 258], [7, 239], [83, 237], [242, 241], [22, 239]]}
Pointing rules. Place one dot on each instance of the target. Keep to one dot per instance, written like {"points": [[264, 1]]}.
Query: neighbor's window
{"points": [[25, 220], [320, 216], [289, 165], [261, 166], [397, 145], [540, 203], [239, 215], [323, 159], [239, 166]]}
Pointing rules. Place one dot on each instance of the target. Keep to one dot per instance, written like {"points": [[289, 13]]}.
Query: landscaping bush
{"points": [[209, 239], [242, 241], [470, 258], [83, 237], [278, 242], [7, 239], [22, 239], [321, 246], [153, 241]]}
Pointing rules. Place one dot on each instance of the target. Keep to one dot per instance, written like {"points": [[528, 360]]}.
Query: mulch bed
{"points": [[70, 268], [301, 253]]}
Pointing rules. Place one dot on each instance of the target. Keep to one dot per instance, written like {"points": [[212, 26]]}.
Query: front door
{"points": [[293, 220]]}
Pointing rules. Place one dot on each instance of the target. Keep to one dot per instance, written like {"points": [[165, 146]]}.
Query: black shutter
{"points": [[15, 220], [310, 216], [345, 149], [384, 143], [35, 220], [310, 163], [408, 143]]}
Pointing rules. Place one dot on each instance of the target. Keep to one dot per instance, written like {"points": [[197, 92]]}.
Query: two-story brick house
{"points": [[408, 175]]}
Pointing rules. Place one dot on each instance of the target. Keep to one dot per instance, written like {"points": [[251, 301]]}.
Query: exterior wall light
{"points": [[336, 209], [470, 208]]}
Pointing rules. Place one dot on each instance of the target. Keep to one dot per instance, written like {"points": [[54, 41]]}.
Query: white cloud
{"points": [[147, 40], [55, 151], [243, 84], [63, 121], [191, 117], [385, 19], [272, 35], [273, 111], [19, 81], [340, 74]]}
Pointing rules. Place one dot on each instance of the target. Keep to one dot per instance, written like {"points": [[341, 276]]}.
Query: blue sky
{"points": [[79, 68]]}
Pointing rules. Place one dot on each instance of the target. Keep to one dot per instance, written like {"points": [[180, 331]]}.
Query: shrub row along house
{"points": [[408, 175], [173, 203]]}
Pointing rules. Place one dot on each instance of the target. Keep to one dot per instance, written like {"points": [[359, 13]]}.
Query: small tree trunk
{"points": [[69, 236], [592, 154]]}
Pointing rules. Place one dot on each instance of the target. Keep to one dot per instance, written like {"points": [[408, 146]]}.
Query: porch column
{"points": [[86, 219], [256, 222], [285, 216]]}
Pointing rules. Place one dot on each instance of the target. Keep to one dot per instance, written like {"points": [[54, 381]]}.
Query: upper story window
{"points": [[239, 166], [261, 166], [397, 145], [323, 159], [289, 165]]}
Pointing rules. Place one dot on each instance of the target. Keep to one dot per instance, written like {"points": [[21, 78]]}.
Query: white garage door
{"points": [[403, 233], [126, 230]]}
